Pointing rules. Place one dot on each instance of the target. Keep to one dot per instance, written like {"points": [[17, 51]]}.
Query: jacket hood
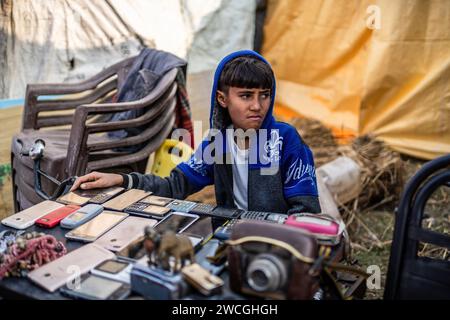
{"points": [[219, 117]]}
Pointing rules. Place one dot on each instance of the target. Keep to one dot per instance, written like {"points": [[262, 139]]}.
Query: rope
{"points": [[26, 255]]}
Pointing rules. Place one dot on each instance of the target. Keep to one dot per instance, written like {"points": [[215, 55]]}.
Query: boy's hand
{"points": [[96, 180]]}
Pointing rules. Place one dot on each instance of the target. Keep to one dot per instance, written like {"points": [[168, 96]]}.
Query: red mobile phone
{"points": [[52, 219]]}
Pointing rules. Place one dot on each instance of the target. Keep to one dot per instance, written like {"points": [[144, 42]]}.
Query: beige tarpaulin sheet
{"points": [[69, 41], [366, 66]]}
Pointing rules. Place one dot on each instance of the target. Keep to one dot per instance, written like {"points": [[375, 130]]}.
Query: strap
{"points": [[344, 268], [274, 242]]}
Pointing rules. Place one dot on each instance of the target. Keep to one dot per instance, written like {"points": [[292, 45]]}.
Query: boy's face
{"points": [[247, 107]]}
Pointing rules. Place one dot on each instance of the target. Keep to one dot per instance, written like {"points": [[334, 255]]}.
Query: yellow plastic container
{"points": [[169, 155]]}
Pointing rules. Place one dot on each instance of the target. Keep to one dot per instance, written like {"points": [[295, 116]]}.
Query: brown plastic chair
{"points": [[74, 130]]}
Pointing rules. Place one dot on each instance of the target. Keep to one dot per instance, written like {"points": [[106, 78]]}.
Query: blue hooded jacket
{"points": [[280, 179]]}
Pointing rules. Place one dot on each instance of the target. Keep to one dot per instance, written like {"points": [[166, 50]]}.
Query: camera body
{"points": [[264, 261]]}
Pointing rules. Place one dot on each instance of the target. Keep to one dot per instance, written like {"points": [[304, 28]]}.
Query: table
{"points": [[23, 288]]}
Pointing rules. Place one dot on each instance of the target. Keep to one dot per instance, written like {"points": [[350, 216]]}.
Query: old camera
{"points": [[272, 261]]}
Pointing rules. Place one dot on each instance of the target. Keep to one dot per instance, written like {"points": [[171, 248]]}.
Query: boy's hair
{"points": [[246, 72]]}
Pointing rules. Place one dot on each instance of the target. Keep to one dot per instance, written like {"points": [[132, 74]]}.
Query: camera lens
{"points": [[266, 272]]}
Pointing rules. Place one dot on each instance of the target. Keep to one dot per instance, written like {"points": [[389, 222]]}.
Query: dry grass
{"points": [[6, 198], [370, 217]]}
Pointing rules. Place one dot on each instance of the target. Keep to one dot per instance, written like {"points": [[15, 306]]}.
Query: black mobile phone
{"points": [[203, 208], [181, 205], [226, 213], [274, 217], [93, 287]]}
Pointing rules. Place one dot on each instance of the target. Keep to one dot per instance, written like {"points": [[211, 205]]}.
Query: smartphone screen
{"points": [[74, 198], [112, 266], [180, 222], [98, 225], [98, 287]]}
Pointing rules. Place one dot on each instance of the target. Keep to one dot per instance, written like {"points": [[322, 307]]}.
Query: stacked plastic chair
{"points": [[73, 126], [411, 276]]}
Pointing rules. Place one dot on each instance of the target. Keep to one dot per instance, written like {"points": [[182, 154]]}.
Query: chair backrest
{"points": [[74, 125], [89, 152], [41, 111], [169, 155], [410, 275]]}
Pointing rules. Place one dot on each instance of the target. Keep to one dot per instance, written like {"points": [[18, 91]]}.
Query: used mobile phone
{"points": [[180, 220], [127, 198], [53, 218], [203, 208], [106, 194], [279, 218], [56, 273], [201, 228], [144, 209], [81, 216], [157, 201], [226, 213], [94, 287], [27, 217], [114, 269], [77, 197], [94, 228], [181, 205], [98, 196], [124, 233]]}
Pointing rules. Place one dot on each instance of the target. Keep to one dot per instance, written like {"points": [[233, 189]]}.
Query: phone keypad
{"points": [[182, 206], [264, 216], [100, 198], [138, 206], [227, 213], [203, 208], [254, 215]]}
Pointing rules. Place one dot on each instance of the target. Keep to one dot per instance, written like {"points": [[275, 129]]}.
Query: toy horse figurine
{"points": [[161, 247]]}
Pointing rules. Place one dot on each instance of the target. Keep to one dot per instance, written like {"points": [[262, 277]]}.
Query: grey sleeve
{"points": [[299, 204], [175, 186]]}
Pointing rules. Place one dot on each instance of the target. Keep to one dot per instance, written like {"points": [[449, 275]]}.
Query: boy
{"points": [[254, 162]]}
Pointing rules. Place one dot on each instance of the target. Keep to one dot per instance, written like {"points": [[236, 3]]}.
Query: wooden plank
{"points": [[10, 122]]}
